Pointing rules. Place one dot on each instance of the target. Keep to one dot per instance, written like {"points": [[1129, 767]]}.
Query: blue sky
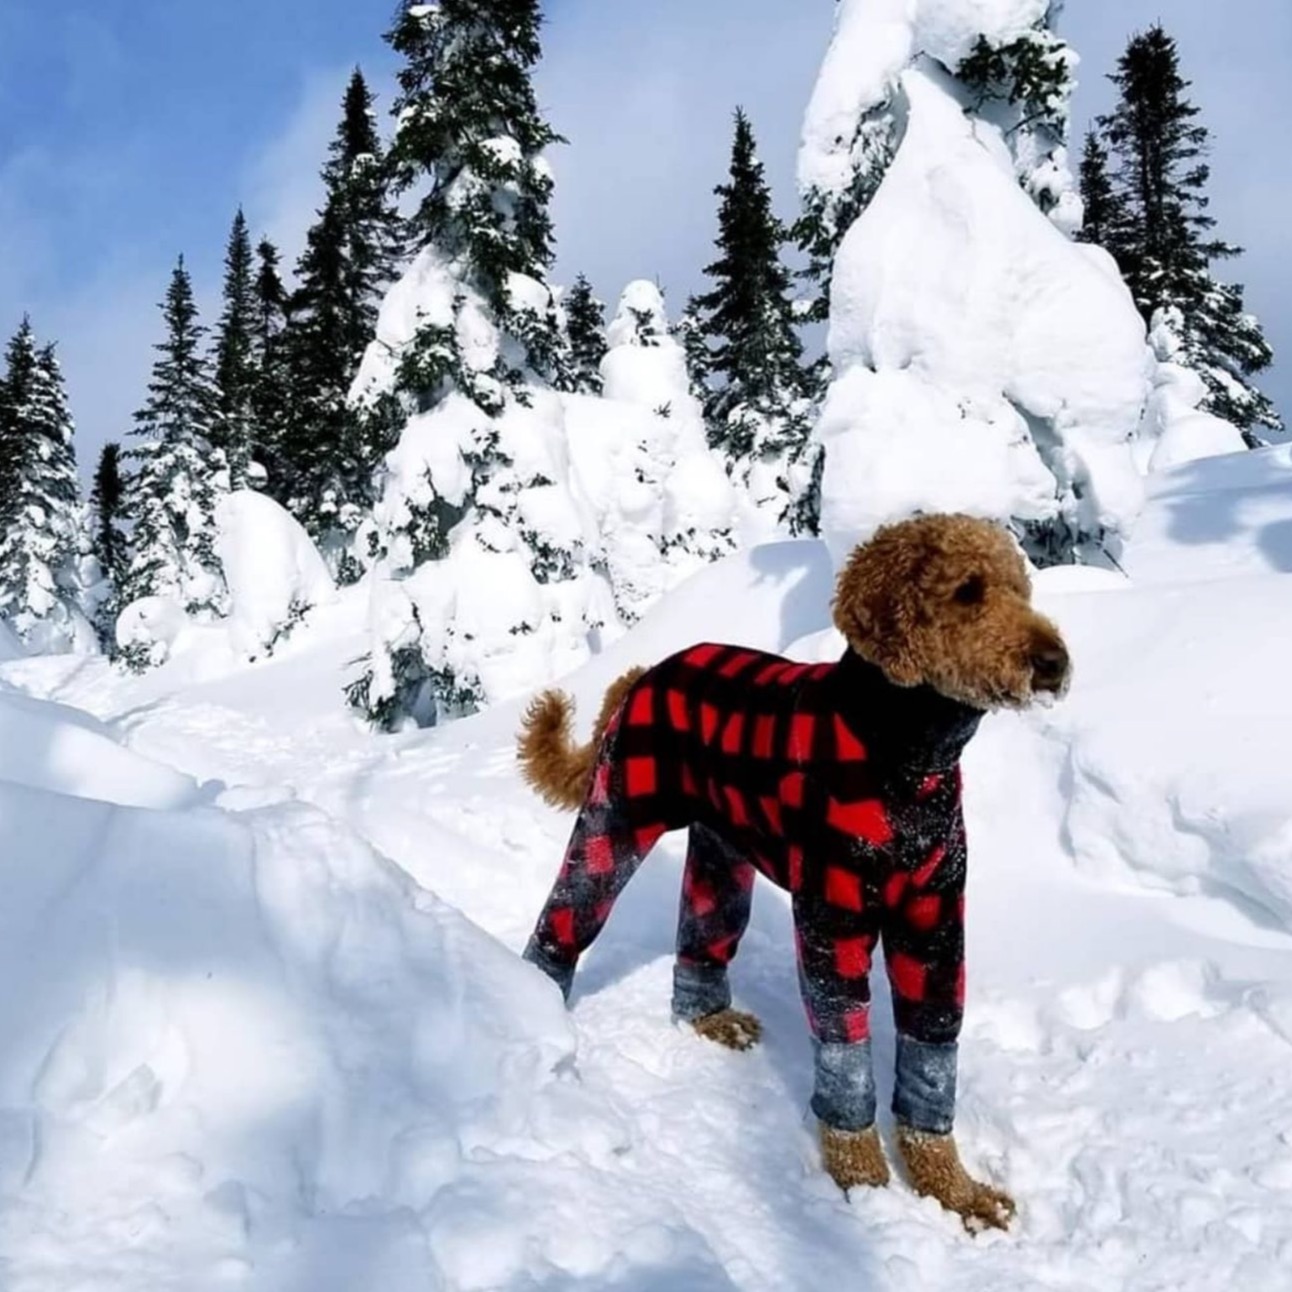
{"points": [[131, 129]]}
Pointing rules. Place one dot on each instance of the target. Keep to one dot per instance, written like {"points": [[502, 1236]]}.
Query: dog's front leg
{"points": [[844, 1103], [924, 1102]]}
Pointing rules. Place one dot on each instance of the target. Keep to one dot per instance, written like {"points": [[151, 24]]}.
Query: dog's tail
{"points": [[551, 763]]}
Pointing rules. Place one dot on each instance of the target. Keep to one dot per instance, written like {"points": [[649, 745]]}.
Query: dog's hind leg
{"points": [[717, 895], [607, 845]]}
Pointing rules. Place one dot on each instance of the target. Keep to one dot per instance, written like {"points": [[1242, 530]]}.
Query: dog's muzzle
{"points": [[1050, 668]]}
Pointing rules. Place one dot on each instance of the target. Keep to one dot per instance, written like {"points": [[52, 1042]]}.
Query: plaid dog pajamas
{"points": [[840, 788]]}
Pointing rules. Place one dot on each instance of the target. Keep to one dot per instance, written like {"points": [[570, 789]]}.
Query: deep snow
{"points": [[265, 1028]]}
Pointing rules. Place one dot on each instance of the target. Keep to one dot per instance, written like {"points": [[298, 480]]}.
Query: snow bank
{"points": [[1175, 746], [63, 750], [1218, 518], [965, 326], [273, 571], [248, 1051]]}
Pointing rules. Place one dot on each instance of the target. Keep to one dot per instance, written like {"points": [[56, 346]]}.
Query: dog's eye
{"points": [[970, 592]]}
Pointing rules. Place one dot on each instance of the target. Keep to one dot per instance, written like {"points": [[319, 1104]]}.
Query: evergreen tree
{"points": [[271, 394], [690, 335], [179, 476], [759, 409], [1165, 244], [41, 587], [235, 372], [469, 127], [107, 503], [1104, 222], [326, 455], [487, 351], [585, 326], [357, 179]]}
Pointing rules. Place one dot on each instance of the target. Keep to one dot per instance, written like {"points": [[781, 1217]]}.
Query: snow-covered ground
{"points": [[264, 1026]]}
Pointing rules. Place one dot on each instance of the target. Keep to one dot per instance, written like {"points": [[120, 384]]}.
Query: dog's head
{"points": [[946, 601]]}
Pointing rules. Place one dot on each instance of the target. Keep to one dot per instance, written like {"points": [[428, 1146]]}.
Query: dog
{"points": [[841, 784]]}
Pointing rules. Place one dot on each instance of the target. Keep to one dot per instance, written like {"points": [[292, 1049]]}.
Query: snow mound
{"points": [[246, 1030], [1218, 518], [273, 571], [57, 748], [1192, 797], [965, 325]]}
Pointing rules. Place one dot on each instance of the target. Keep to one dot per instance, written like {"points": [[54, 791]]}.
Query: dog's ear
{"points": [[874, 605]]}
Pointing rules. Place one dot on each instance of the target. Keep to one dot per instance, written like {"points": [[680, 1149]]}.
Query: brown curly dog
{"points": [[841, 784]]}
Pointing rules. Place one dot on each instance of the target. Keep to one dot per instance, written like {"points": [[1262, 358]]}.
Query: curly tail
{"points": [[551, 763]]}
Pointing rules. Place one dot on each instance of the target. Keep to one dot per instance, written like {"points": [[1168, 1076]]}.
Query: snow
{"points": [[964, 324], [266, 1027], [1177, 428], [11, 646], [874, 41], [273, 571], [662, 503]]}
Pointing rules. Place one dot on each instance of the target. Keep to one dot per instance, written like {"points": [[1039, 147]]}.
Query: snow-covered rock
{"points": [[274, 573]]}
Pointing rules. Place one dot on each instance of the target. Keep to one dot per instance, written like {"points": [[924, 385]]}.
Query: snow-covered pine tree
{"points": [[760, 410], [490, 582], [978, 362], [235, 373], [1019, 80], [178, 475], [350, 257], [1166, 245], [667, 507], [107, 512], [271, 394], [42, 581], [585, 328], [688, 332], [1024, 86]]}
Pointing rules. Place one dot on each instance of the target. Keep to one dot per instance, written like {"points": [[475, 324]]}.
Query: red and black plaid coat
{"points": [[838, 786]]}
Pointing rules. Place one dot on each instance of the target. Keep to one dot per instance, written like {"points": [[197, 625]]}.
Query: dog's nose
{"points": [[1049, 667]]}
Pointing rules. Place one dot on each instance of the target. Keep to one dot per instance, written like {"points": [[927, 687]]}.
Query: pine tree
{"points": [[40, 549], [1165, 245], [107, 504], [357, 179], [1104, 222], [327, 457], [585, 328], [469, 123], [235, 375], [759, 409], [488, 349], [178, 475], [271, 394]]}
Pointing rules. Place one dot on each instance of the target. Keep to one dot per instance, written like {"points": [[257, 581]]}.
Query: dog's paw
{"points": [[854, 1159], [730, 1027], [935, 1170]]}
